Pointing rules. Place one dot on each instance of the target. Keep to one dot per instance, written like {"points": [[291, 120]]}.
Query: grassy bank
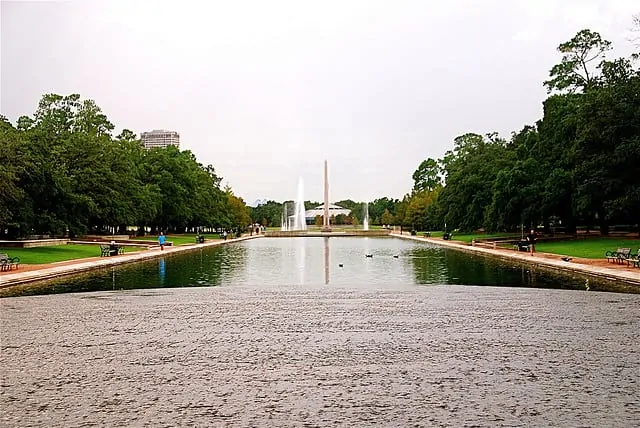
{"points": [[57, 253], [180, 239], [468, 237], [589, 248]]}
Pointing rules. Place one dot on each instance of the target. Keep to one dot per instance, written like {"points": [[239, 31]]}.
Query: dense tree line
{"points": [[381, 211], [62, 172], [578, 165]]}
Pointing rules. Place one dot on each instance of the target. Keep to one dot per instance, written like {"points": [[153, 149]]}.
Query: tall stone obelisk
{"points": [[326, 225]]}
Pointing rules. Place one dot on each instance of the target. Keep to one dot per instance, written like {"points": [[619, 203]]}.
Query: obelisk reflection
{"points": [[326, 259]]}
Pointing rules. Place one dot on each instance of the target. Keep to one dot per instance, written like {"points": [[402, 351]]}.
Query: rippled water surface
{"points": [[372, 348]]}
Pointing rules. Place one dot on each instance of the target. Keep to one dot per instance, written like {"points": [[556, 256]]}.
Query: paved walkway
{"points": [[599, 268], [35, 273]]}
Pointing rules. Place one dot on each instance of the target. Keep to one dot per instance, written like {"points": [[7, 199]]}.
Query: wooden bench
{"points": [[521, 246], [8, 263], [619, 256]]}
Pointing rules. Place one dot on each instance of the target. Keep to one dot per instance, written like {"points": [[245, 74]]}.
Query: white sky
{"points": [[266, 90]]}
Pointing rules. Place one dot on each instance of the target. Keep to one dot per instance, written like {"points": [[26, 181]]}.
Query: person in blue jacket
{"points": [[161, 240]]}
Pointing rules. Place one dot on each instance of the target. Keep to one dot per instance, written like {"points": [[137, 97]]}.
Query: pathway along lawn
{"points": [[57, 253], [583, 247], [468, 237], [179, 239]]}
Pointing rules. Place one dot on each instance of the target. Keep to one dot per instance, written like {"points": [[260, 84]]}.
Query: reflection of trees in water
{"points": [[434, 265], [191, 269]]}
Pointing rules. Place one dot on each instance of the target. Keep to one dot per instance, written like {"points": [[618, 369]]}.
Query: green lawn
{"points": [[57, 253], [180, 239], [589, 248], [468, 237]]}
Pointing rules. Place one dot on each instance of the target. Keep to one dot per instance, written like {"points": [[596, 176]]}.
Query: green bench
{"points": [[634, 259], [8, 263], [619, 256]]}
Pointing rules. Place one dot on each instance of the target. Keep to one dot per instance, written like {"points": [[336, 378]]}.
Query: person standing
{"points": [[532, 237], [161, 240], [224, 234]]}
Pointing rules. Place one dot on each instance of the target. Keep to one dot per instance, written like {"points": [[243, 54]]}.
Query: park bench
{"points": [[634, 259], [104, 251], [199, 239], [111, 250], [8, 263], [619, 256], [521, 246]]}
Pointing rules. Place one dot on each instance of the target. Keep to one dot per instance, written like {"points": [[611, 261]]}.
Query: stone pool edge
{"points": [[596, 271], [79, 266]]}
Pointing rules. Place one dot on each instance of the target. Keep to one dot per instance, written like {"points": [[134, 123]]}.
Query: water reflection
{"points": [[326, 259], [308, 261], [161, 271]]}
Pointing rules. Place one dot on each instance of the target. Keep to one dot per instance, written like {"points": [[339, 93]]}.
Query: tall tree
{"points": [[427, 176], [11, 164], [581, 58]]}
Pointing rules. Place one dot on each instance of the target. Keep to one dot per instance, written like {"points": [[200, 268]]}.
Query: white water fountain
{"points": [[296, 221], [365, 222], [299, 221]]}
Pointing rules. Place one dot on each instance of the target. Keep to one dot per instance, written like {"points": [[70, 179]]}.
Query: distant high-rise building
{"points": [[160, 138]]}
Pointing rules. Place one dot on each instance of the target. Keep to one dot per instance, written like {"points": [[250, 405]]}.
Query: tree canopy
{"points": [[64, 173], [579, 164]]}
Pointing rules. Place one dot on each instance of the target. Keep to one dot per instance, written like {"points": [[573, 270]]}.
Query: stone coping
{"points": [[69, 267], [32, 243], [627, 276]]}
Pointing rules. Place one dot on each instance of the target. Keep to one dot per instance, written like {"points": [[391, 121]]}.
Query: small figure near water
{"points": [[532, 237], [161, 240], [224, 235], [113, 248]]}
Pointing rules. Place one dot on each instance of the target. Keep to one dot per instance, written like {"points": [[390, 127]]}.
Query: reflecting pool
{"points": [[368, 261]]}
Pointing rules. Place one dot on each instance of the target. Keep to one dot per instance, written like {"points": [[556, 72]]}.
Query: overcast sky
{"points": [[266, 90]]}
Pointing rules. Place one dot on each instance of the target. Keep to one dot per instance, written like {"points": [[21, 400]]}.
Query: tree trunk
{"points": [[602, 220]]}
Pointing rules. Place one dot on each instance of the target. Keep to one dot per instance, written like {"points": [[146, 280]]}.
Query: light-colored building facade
{"points": [[160, 138], [334, 210]]}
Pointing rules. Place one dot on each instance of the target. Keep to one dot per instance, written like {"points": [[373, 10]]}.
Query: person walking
{"points": [[532, 237], [224, 235], [161, 240]]}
